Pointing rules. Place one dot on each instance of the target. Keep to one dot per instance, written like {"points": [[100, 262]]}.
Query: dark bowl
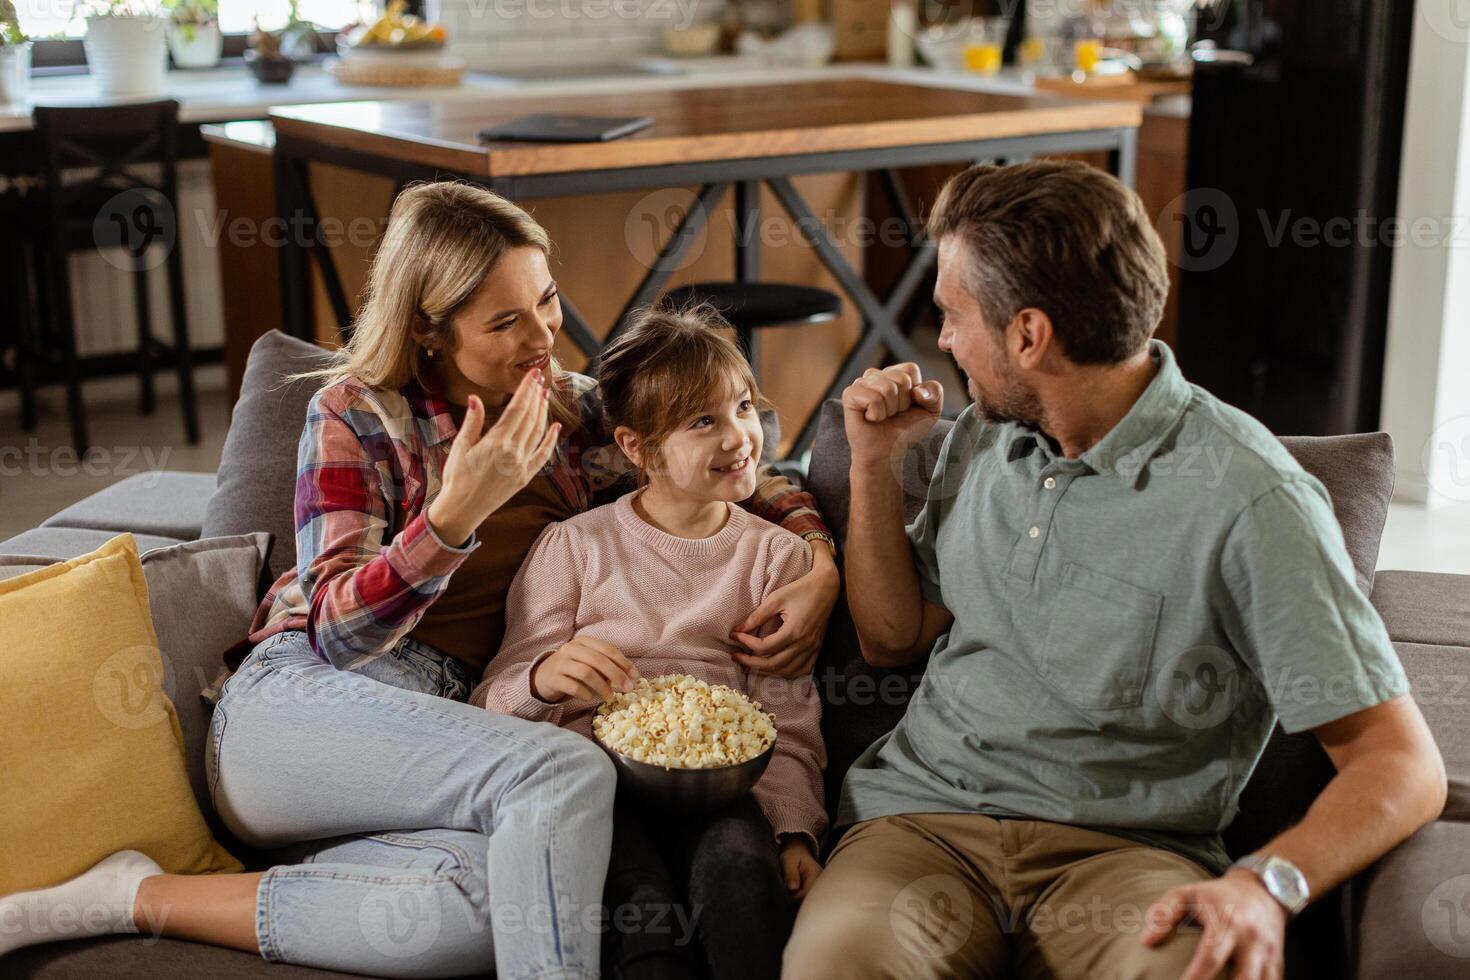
{"points": [[269, 71], [683, 791]]}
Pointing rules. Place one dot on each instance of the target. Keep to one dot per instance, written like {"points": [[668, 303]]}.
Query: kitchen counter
{"points": [[793, 152], [226, 94]]}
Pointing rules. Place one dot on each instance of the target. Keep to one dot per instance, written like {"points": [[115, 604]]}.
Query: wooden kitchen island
{"points": [[634, 217]]}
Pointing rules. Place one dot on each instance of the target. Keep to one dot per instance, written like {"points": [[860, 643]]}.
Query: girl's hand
{"points": [[485, 469], [803, 608], [584, 668], [799, 866]]}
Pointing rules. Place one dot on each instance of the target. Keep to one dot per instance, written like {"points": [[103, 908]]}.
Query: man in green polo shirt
{"points": [[1123, 585]]}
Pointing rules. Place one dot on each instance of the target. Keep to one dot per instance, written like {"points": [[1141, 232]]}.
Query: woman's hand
{"points": [[584, 668], [485, 469], [799, 867], [803, 608]]}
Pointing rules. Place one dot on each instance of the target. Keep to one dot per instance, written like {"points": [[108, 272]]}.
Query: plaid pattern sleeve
{"points": [[363, 595], [777, 500]]}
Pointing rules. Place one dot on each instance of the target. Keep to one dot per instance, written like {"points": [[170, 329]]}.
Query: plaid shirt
{"points": [[368, 565]]}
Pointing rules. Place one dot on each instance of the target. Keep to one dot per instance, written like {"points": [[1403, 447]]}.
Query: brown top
{"points": [[467, 621], [695, 125]]}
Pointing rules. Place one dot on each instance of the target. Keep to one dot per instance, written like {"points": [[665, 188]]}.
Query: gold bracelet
{"points": [[822, 536]]}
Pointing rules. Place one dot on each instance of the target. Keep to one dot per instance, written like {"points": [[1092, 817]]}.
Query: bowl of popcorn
{"points": [[681, 745]]}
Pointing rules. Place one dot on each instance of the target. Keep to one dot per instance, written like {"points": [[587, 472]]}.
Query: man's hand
{"points": [[889, 409], [1242, 924]]}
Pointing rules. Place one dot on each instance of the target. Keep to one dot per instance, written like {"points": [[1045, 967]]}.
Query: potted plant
{"points": [[263, 55], [126, 45], [298, 37], [194, 37], [15, 56]]}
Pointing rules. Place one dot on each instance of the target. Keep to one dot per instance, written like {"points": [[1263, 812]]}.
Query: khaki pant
{"points": [[965, 895]]}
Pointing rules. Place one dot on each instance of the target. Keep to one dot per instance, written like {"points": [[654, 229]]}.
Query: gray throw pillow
{"points": [[257, 470], [1357, 471], [202, 597]]}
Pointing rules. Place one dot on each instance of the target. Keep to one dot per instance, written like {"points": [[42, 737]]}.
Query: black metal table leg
{"points": [[667, 262], [577, 330], [1124, 158], [748, 257], [881, 327], [296, 318]]}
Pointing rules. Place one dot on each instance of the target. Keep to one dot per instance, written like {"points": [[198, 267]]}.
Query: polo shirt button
{"points": [[1035, 531], [1050, 483]]}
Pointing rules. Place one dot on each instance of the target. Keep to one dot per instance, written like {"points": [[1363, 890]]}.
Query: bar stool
{"points": [[752, 306], [112, 207], [16, 317]]}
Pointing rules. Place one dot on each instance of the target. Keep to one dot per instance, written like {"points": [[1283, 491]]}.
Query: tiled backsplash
{"points": [[488, 34]]}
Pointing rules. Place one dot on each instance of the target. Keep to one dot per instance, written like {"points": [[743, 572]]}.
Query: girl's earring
{"points": [[430, 352]]}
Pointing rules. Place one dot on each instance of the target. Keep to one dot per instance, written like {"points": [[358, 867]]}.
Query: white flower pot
{"points": [[15, 72], [127, 55], [195, 45]]}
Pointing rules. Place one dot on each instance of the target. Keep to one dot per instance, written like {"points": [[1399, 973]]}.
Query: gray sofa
{"points": [[1408, 916]]}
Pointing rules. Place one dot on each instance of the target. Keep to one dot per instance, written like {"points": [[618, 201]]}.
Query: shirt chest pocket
{"points": [[1100, 640]]}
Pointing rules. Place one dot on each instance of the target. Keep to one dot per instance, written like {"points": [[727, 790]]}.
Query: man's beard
{"points": [[1014, 402]]}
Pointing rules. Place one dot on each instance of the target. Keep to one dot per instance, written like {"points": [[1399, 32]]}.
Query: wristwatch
{"points": [[1283, 880], [824, 537]]}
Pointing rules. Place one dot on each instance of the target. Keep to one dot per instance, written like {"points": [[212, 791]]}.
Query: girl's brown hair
{"points": [[662, 369]]}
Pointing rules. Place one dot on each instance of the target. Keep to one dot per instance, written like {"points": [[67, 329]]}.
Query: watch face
{"points": [[1285, 882]]}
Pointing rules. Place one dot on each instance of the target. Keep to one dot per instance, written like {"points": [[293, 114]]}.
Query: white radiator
{"points": [[102, 293]]}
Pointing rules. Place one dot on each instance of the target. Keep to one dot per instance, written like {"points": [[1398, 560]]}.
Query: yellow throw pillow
{"points": [[91, 754]]}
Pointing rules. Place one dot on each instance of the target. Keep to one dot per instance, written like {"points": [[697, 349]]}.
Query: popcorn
{"points": [[678, 722]]}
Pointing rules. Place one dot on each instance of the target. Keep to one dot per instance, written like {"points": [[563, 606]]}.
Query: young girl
{"points": [[647, 586]]}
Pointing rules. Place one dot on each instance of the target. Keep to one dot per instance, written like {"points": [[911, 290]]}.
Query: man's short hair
{"points": [[1065, 238]]}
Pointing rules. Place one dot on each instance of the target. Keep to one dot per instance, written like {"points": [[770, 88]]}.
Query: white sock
{"points": [[96, 902]]}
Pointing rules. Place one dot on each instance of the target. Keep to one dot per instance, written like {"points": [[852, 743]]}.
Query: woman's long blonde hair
{"points": [[442, 239]]}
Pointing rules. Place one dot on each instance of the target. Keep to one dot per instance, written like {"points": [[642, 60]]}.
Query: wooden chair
{"points": [[112, 207]]}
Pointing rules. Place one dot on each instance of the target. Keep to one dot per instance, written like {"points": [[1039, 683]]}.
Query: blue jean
{"points": [[421, 836]]}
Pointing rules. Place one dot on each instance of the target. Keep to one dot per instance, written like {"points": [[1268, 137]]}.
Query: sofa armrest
{"points": [[1412, 908], [158, 503], [1424, 607]]}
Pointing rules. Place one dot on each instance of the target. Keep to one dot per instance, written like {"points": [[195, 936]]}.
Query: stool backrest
{"points": [[114, 139]]}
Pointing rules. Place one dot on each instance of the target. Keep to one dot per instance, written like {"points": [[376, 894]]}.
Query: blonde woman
{"points": [[411, 833]]}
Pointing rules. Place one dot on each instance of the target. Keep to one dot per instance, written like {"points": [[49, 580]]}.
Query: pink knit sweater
{"points": [[669, 604]]}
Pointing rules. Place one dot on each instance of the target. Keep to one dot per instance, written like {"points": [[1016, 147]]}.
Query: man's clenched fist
{"points": [[888, 409]]}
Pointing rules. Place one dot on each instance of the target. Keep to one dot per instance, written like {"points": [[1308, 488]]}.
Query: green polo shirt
{"points": [[1128, 625]]}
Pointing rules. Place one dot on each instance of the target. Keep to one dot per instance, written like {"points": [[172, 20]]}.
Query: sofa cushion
{"points": [[1357, 471], [1424, 607], [1440, 676], [860, 702], [1413, 908], [91, 749], [161, 503], [257, 470], [827, 473], [43, 545]]}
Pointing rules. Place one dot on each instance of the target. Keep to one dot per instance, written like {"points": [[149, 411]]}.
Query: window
{"points": [[46, 18]]}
